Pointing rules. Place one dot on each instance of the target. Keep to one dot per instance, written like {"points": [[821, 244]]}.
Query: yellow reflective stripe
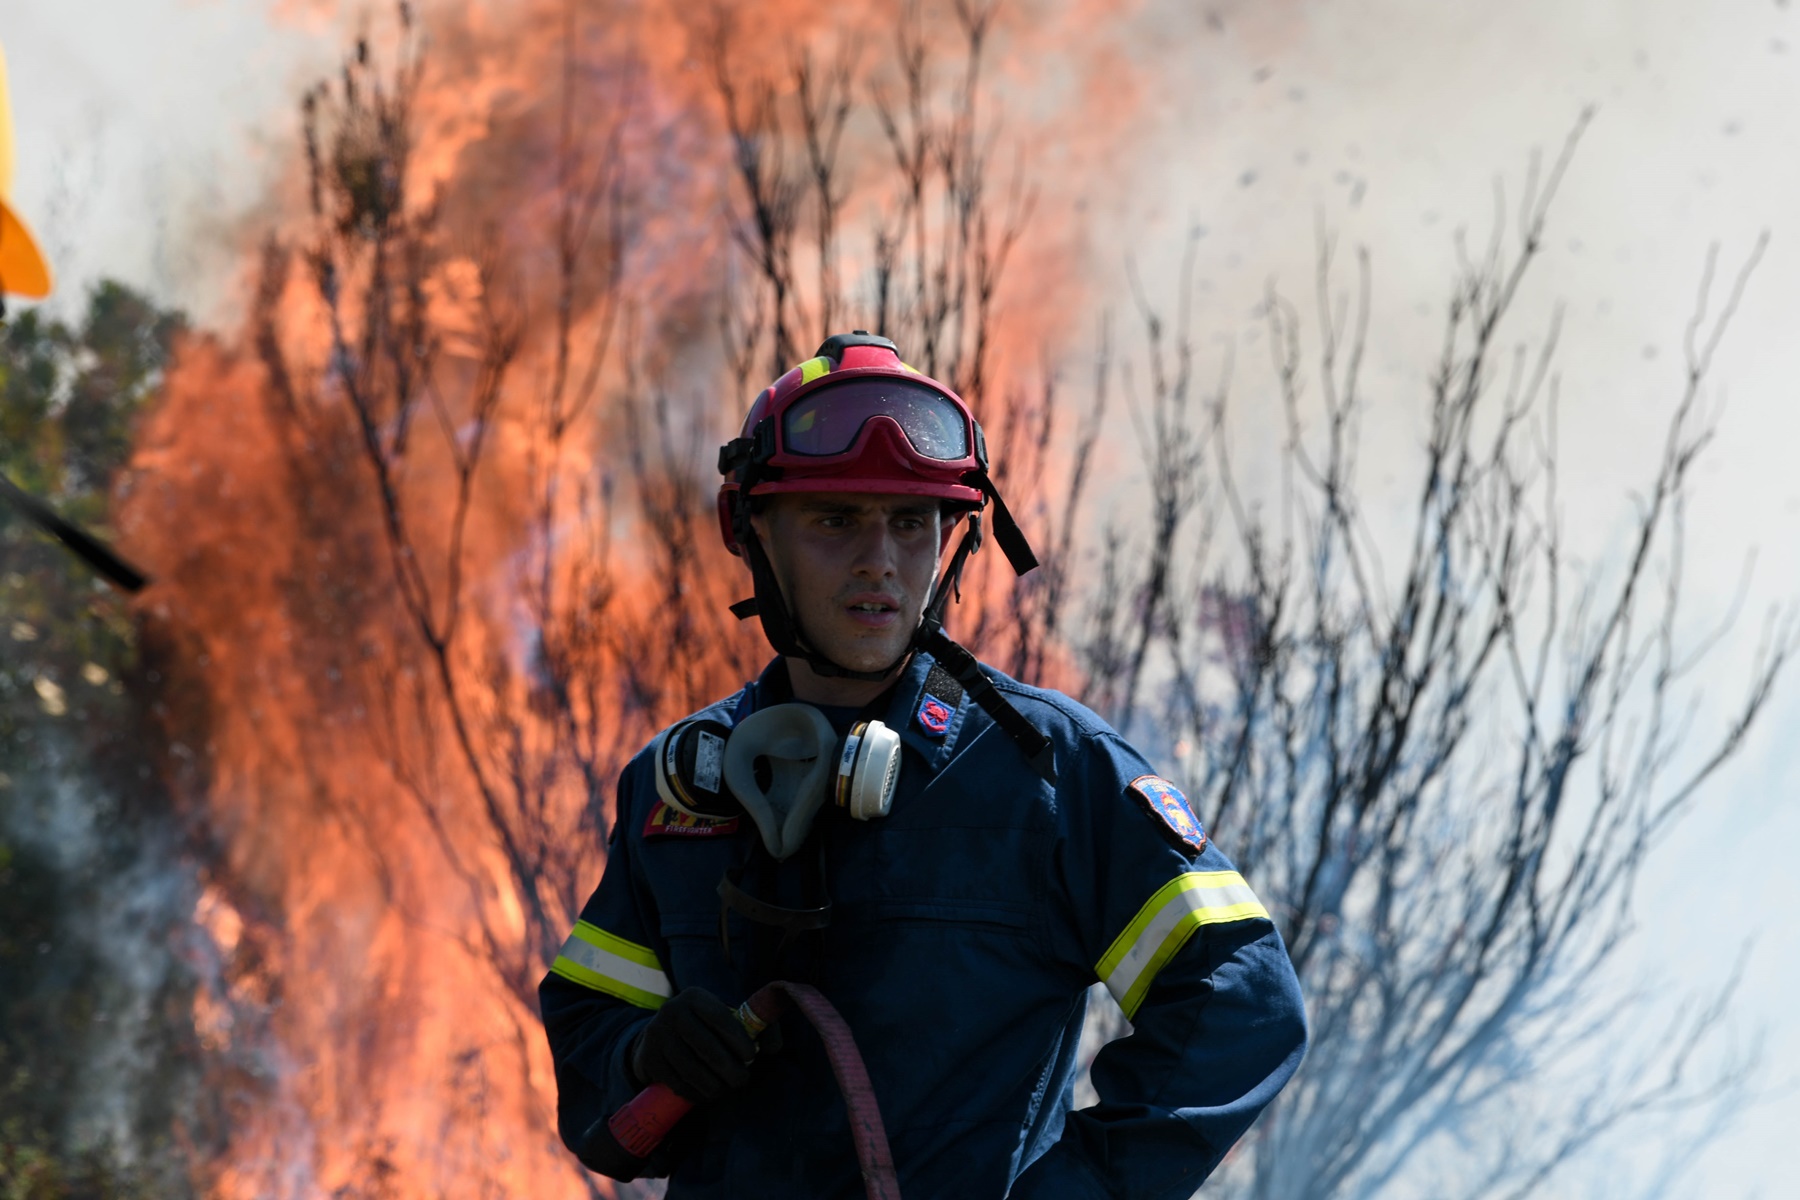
{"points": [[812, 368], [608, 963], [909, 367], [1165, 923]]}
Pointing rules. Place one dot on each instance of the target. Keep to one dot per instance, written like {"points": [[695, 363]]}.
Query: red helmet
{"points": [[853, 418]]}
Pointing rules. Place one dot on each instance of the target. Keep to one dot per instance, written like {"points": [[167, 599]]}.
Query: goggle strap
{"points": [[734, 454], [1006, 530], [747, 458]]}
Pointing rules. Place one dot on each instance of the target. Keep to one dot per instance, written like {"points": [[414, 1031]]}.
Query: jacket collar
{"points": [[906, 710], [907, 713]]}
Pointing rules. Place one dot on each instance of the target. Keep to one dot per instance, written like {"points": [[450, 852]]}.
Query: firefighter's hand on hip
{"points": [[696, 1046]]}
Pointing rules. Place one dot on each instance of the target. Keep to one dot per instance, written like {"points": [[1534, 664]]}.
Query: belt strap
{"points": [[792, 920]]}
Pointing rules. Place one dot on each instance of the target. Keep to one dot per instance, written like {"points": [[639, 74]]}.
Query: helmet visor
{"points": [[828, 421]]}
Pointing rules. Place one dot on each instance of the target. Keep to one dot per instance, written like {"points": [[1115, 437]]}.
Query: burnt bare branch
{"points": [[1448, 733]]}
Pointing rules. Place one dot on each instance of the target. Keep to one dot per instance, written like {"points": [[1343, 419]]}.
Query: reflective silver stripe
{"points": [[1164, 925], [608, 963]]}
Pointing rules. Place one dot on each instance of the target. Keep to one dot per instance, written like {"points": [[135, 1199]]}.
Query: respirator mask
{"points": [[779, 765]]}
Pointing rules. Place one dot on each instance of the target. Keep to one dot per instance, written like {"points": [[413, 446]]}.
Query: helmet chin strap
{"points": [[783, 630], [778, 623], [783, 633]]}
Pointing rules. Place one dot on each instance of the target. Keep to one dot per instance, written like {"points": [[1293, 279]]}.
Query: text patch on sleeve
{"points": [[667, 822]]}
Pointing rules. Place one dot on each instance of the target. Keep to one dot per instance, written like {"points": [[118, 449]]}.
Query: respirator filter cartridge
{"points": [[868, 770], [690, 769]]}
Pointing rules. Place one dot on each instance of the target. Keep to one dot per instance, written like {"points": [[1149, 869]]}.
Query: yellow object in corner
{"points": [[24, 271]]}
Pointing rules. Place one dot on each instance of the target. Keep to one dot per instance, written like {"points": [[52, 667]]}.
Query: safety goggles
{"points": [[828, 421]]}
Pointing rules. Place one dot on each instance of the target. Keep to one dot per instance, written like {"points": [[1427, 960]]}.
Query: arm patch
{"points": [[665, 822], [1174, 816]]}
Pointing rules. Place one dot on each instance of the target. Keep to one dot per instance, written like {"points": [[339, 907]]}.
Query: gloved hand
{"points": [[696, 1046]]}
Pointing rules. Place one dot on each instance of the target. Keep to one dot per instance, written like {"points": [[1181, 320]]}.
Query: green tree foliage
{"points": [[77, 796], [68, 399]]}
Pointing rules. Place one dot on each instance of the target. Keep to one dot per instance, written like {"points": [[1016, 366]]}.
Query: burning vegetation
{"points": [[434, 553], [435, 531]]}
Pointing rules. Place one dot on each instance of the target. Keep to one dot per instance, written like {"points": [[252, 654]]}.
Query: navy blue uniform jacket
{"points": [[967, 927]]}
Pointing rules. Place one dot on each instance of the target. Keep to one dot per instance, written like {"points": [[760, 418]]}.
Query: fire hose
{"points": [[639, 1127]]}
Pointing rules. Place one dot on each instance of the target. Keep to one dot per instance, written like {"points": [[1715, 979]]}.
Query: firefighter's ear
{"points": [[949, 521], [758, 516], [776, 517]]}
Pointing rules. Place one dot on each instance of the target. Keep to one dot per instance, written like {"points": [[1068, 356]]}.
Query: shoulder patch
{"points": [[1170, 808], [668, 822], [937, 707], [934, 716]]}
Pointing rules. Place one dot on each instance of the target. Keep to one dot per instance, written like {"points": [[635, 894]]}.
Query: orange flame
{"points": [[373, 1027]]}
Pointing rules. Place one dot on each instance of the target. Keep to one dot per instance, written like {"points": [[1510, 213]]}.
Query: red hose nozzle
{"points": [[617, 1146]]}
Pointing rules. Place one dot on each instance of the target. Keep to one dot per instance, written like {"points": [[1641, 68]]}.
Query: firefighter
{"points": [[950, 856]]}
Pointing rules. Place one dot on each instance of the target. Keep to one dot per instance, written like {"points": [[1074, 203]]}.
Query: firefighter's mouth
{"points": [[876, 612]]}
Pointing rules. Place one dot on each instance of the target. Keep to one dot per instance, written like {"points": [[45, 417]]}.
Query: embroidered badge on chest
{"points": [[1170, 808], [668, 822], [934, 716]]}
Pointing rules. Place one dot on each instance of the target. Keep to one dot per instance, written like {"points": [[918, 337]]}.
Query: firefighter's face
{"points": [[855, 568]]}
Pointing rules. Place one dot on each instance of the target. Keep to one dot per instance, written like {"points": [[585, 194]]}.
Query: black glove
{"points": [[695, 1045]]}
